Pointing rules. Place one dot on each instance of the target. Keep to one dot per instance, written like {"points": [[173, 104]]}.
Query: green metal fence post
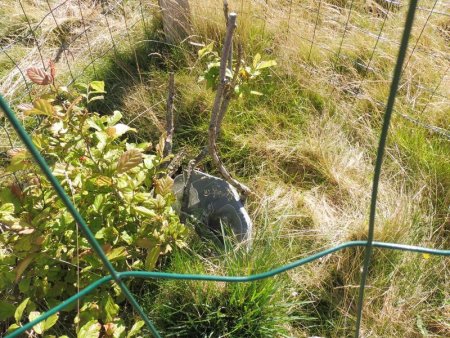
{"points": [[380, 155]]}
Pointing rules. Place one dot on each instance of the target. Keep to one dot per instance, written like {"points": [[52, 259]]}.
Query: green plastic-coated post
{"points": [[380, 155]]}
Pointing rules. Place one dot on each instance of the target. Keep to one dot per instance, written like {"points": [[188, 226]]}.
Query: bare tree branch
{"points": [[169, 116], [229, 91], [218, 103], [230, 54], [224, 93], [225, 10]]}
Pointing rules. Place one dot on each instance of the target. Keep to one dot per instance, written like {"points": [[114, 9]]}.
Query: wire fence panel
{"points": [[77, 34]]}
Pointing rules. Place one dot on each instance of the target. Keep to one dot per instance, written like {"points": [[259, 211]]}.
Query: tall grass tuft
{"points": [[263, 308]]}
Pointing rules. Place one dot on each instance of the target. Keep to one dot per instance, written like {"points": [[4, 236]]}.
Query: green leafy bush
{"points": [[120, 189]]}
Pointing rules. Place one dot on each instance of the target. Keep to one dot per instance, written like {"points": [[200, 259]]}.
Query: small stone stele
{"points": [[215, 201]]}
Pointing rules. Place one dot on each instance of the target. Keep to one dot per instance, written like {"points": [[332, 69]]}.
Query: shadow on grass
{"points": [[132, 65]]}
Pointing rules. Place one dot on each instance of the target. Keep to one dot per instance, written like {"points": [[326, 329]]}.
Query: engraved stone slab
{"points": [[213, 200]]}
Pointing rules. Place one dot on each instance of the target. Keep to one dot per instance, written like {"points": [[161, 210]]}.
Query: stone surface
{"points": [[213, 200]]}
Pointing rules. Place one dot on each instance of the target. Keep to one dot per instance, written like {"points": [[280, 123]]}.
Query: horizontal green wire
{"points": [[215, 278]]}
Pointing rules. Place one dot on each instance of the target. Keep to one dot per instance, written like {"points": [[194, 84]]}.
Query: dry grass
{"points": [[72, 40], [316, 184]]}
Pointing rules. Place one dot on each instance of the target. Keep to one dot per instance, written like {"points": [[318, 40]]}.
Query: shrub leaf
{"points": [[39, 76], [164, 185], [135, 328], [128, 160], [152, 258], [117, 253], [50, 321], [23, 265], [111, 309], [41, 107], [19, 311], [6, 310], [90, 330], [39, 328]]}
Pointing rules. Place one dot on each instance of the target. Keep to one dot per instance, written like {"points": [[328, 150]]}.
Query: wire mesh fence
{"points": [[334, 35], [64, 33]]}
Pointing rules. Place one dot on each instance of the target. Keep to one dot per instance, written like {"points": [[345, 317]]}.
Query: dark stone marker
{"points": [[213, 201]]}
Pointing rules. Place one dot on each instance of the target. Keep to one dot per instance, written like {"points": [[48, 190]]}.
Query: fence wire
{"points": [[315, 17]]}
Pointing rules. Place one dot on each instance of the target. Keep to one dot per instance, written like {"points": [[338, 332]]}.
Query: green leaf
{"points": [[206, 50], [39, 327], [144, 211], [90, 330], [23, 244], [152, 258], [114, 118], [119, 331], [141, 197], [102, 181], [93, 124], [51, 321], [19, 160], [37, 140], [7, 208], [149, 162], [101, 233], [256, 60], [98, 202], [41, 107], [6, 310], [24, 285], [98, 86], [12, 327], [96, 98], [19, 311], [6, 196], [117, 253], [102, 139], [126, 237], [111, 309], [266, 64], [135, 329], [81, 86]]}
